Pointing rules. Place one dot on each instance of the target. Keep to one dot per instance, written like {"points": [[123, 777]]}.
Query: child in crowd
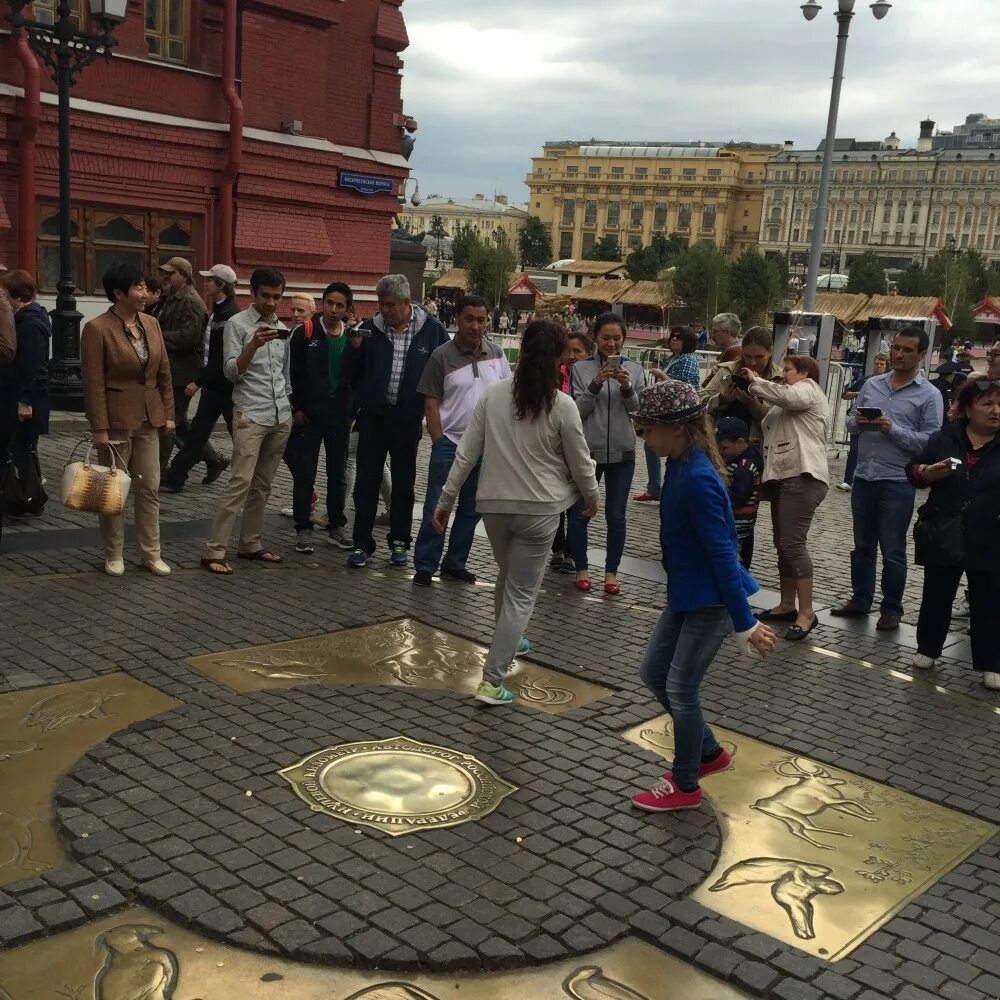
{"points": [[744, 467]]}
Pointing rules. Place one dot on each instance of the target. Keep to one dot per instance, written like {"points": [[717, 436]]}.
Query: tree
{"points": [[647, 263], [466, 239], [606, 248], [490, 267], [867, 275], [438, 231], [701, 279], [534, 243], [913, 281], [755, 285], [977, 268]]}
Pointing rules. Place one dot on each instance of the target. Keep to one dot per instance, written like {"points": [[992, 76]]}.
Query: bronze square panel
{"points": [[403, 653], [101, 960], [44, 732], [815, 856], [397, 785]]}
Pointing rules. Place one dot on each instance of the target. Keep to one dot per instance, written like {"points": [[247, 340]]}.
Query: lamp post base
{"points": [[65, 373]]}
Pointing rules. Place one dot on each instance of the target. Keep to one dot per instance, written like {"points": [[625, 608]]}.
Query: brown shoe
{"points": [[887, 622], [850, 610]]}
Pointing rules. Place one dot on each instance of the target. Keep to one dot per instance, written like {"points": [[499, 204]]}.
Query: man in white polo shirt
{"points": [[452, 382]]}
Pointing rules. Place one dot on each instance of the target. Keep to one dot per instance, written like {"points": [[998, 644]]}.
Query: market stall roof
{"points": [[455, 277], [588, 266], [601, 290], [905, 306], [845, 307], [523, 285], [987, 310], [647, 293]]}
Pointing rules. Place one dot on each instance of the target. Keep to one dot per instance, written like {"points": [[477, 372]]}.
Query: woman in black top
{"points": [[958, 529]]}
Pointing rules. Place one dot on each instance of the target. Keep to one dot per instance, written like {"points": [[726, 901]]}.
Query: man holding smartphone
{"points": [[255, 360], [894, 415]]}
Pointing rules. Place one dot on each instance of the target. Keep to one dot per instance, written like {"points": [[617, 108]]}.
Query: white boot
{"points": [[991, 680], [922, 662]]}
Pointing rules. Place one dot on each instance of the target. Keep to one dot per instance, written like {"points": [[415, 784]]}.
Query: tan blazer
{"points": [[117, 394]]}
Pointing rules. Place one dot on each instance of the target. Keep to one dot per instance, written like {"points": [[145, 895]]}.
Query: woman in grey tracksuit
{"points": [[606, 389]]}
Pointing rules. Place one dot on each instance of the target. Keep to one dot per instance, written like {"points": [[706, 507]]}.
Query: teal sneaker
{"points": [[494, 694], [397, 557], [524, 646]]}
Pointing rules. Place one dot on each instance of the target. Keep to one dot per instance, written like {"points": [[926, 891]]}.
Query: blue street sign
{"points": [[366, 183]]}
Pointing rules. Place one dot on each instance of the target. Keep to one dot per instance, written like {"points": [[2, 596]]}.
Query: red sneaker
{"points": [[645, 497], [666, 797], [721, 763]]}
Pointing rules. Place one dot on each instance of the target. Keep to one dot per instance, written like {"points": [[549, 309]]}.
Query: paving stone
{"points": [[60, 916], [755, 976], [792, 989], [17, 924]]}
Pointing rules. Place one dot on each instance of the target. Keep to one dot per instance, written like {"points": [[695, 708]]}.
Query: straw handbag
{"points": [[99, 489]]}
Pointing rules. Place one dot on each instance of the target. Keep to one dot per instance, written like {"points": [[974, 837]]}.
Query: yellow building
{"points": [[485, 215], [705, 192]]}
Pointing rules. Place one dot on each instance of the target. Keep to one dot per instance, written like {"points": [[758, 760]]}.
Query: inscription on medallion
{"points": [[397, 785]]}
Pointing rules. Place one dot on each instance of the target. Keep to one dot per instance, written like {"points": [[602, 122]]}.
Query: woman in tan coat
{"points": [[796, 480], [130, 403]]}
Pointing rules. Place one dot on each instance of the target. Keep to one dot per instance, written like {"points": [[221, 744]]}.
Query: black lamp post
{"points": [[67, 52]]}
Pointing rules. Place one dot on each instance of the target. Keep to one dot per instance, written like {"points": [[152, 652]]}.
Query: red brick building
{"points": [[222, 131]]}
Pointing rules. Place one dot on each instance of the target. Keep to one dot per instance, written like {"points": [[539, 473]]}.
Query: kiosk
{"points": [[814, 332], [882, 328]]}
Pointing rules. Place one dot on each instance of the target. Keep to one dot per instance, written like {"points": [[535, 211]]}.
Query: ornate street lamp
{"points": [[67, 52], [845, 11]]}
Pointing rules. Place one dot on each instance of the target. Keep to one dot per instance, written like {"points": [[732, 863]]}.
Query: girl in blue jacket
{"points": [[707, 587]]}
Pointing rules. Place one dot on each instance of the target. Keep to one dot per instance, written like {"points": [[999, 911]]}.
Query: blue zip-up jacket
{"points": [[367, 367], [698, 540]]}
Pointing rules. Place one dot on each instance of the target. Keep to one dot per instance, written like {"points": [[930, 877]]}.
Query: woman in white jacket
{"points": [[535, 465], [796, 480]]}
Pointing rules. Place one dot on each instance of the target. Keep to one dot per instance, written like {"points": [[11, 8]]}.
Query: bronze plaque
{"points": [[45, 731], [136, 954], [404, 653], [397, 785], [815, 856]]}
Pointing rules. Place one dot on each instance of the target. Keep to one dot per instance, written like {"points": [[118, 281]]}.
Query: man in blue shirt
{"points": [[910, 410]]}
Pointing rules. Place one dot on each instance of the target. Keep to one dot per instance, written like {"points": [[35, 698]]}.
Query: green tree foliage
{"points": [[647, 263], [755, 286], [913, 281], [867, 275], [489, 269], [606, 248], [534, 243], [465, 242], [701, 279]]}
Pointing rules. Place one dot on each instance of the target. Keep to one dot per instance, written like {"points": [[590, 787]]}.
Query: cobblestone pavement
{"points": [[148, 815]]}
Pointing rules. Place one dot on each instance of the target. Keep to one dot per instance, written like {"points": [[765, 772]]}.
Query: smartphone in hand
{"points": [[740, 382], [615, 362], [870, 412]]}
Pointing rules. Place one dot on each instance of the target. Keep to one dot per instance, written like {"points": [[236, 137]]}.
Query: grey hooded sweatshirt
{"points": [[606, 412]]}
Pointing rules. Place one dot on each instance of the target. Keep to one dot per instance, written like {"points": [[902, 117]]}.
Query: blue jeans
{"points": [[430, 543], [617, 483], [852, 460], [654, 473], [678, 656], [882, 510]]}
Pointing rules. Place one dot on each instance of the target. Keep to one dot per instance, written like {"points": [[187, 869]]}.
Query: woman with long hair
{"points": [[606, 389], [958, 528], [707, 587], [535, 463]]}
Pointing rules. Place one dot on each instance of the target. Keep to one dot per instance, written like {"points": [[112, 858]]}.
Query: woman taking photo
{"points": [[682, 365], [535, 463], [796, 480], [707, 588], [129, 402], [958, 528], [605, 388]]}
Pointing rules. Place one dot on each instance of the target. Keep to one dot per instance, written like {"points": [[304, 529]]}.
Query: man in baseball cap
{"points": [[179, 265], [223, 273]]}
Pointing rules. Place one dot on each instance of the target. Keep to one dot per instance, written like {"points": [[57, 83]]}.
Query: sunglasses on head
{"points": [[985, 384]]}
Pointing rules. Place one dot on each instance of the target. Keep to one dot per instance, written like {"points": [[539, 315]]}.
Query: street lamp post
{"points": [[844, 14], [67, 52]]}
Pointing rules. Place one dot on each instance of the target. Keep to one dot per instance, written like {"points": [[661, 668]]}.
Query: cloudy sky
{"points": [[490, 82]]}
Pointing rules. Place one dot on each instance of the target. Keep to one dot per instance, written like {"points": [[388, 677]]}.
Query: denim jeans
{"points": [[430, 543], [881, 510], [678, 656], [617, 483], [654, 473]]}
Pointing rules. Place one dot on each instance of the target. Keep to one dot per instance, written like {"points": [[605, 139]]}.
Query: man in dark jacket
{"points": [[321, 415], [183, 320], [216, 390], [382, 364]]}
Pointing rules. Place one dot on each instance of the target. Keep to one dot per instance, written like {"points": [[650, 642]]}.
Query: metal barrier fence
{"points": [[839, 379]]}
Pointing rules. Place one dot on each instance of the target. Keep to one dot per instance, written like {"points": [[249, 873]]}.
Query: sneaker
{"points": [[397, 557], [991, 680], [422, 578], [524, 646], [340, 538], [922, 662], [960, 609], [645, 497], [285, 511], [721, 763], [844, 487], [214, 470], [567, 566], [665, 796], [304, 541], [494, 694], [358, 559]]}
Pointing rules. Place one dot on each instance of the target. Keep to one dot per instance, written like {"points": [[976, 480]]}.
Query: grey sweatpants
{"points": [[522, 545]]}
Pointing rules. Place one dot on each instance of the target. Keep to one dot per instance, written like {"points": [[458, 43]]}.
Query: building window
{"points": [[589, 239], [665, 171], [715, 172], [635, 218], [959, 176], [660, 215], [617, 171], [167, 29], [614, 214], [635, 243], [984, 218], [906, 175], [952, 217], [641, 171], [594, 171], [565, 245], [569, 211], [45, 12], [105, 236], [592, 189], [975, 177], [689, 171], [590, 214], [772, 234], [795, 235], [967, 218], [708, 218], [572, 171], [684, 215]]}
